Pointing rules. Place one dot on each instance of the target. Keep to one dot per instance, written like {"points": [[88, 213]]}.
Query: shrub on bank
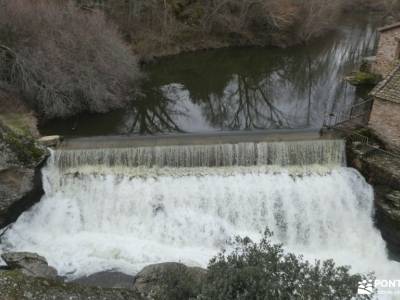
{"points": [[63, 59], [171, 26], [261, 271], [361, 78]]}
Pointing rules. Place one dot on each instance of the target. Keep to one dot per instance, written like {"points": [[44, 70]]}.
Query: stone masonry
{"points": [[388, 49]]}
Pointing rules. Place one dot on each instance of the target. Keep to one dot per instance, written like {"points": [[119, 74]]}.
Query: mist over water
{"points": [[106, 218]]}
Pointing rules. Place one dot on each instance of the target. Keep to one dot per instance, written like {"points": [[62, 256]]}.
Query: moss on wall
{"points": [[364, 78]]}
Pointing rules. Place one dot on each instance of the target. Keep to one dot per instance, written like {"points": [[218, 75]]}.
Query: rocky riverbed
{"points": [[16, 286], [28, 276]]}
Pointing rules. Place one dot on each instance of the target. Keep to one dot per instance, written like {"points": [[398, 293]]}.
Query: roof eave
{"points": [[385, 80], [389, 27]]}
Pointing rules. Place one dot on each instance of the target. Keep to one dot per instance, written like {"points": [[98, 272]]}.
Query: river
{"points": [[240, 89]]}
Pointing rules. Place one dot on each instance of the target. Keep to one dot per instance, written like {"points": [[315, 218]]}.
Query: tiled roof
{"points": [[389, 27], [389, 88]]}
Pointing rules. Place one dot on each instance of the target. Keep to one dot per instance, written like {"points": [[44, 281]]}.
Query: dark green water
{"points": [[240, 89]]}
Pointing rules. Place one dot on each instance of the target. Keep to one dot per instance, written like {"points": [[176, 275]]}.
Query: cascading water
{"points": [[302, 153], [98, 213]]}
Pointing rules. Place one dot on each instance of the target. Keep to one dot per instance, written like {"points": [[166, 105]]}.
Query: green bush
{"points": [[263, 271], [181, 283], [259, 271]]}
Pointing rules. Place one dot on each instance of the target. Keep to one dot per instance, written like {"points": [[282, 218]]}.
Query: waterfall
{"points": [[323, 152], [94, 221]]}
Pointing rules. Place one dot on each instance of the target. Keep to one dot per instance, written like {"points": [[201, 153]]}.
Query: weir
{"points": [[222, 150], [224, 137], [97, 220]]}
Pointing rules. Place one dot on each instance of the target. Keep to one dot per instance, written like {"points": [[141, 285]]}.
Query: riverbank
{"points": [[21, 158], [16, 285], [157, 30], [149, 51], [229, 275]]}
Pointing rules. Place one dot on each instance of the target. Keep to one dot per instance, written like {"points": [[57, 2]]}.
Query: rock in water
{"points": [[51, 140], [169, 280], [30, 264]]}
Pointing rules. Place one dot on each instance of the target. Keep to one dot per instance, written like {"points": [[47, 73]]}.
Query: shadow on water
{"points": [[240, 89]]}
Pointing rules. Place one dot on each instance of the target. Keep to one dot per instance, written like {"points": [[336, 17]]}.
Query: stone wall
{"points": [[382, 171], [388, 52], [385, 122]]}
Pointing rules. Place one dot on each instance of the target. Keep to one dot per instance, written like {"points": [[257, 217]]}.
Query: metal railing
{"points": [[358, 138], [355, 111], [373, 148], [361, 109]]}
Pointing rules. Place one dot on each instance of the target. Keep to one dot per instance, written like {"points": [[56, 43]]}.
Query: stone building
{"points": [[388, 53], [385, 115]]}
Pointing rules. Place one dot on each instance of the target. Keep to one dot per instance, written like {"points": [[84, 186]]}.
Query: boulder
{"points": [[30, 264], [16, 285], [19, 150], [393, 199], [50, 141], [169, 280], [387, 216], [107, 279], [20, 178], [19, 189]]}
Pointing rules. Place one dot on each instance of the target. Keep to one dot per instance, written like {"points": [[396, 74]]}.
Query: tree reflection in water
{"points": [[151, 112], [245, 105], [263, 88]]}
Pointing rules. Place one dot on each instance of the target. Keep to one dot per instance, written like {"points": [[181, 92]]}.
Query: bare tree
{"points": [[165, 26], [315, 17], [392, 9], [63, 59]]}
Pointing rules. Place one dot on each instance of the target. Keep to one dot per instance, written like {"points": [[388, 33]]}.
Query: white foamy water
{"points": [[90, 222]]}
